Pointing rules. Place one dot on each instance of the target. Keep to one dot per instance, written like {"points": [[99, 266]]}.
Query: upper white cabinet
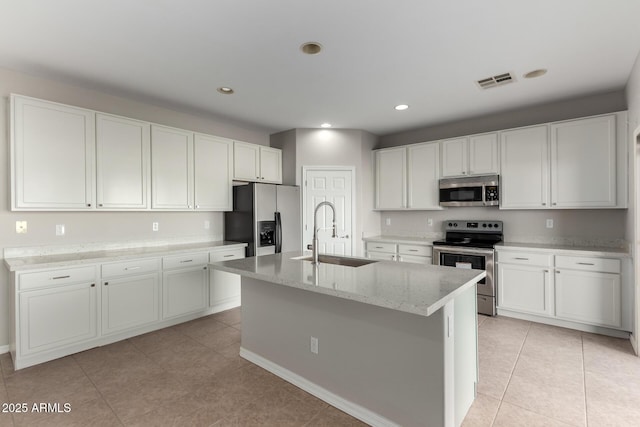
{"points": [[172, 168], [53, 156], [258, 163], [213, 158], [407, 177], [566, 165], [472, 155], [524, 182], [122, 160], [391, 178], [583, 163]]}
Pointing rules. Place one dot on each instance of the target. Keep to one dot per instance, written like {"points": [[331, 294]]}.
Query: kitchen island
{"points": [[387, 342]]}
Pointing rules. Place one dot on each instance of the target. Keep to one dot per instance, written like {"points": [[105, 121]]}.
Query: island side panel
{"points": [[465, 352], [387, 361]]}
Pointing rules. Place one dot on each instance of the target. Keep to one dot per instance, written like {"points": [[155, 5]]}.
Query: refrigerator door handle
{"points": [[278, 232]]}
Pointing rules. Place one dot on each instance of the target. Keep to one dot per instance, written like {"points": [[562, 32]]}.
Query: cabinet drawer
{"points": [[417, 259], [525, 258], [226, 255], [382, 256], [606, 265], [381, 247], [180, 261], [43, 279], [419, 250], [136, 266]]}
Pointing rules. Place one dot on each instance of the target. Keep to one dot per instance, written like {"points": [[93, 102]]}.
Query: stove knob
{"points": [[484, 225], [495, 225], [455, 224], [490, 225], [450, 225]]}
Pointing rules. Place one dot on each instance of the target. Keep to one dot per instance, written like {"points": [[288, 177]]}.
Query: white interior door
{"points": [[336, 186]]}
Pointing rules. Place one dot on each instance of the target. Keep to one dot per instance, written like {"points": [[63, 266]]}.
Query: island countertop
{"points": [[413, 288]]}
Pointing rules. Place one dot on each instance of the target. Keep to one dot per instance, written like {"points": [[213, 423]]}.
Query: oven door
{"points": [[475, 259]]}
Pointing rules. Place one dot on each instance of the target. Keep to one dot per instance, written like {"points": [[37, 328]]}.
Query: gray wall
{"points": [[84, 227]]}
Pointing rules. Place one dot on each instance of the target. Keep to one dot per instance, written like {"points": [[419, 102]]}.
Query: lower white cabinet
{"points": [[525, 288], [55, 309], [224, 288], [185, 284], [130, 294], [395, 251]]}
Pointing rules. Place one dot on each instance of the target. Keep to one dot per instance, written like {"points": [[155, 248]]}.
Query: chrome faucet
{"points": [[314, 243]]}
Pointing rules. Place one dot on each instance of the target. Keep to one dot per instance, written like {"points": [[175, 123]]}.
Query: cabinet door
{"points": [[416, 259], [524, 288], [246, 161], [524, 182], [213, 159], [128, 302], [454, 157], [483, 154], [391, 178], [423, 174], [171, 168], [122, 162], [588, 297], [224, 289], [271, 165], [184, 291], [382, 256], [53, 156], [53, 318], [583, 163]]}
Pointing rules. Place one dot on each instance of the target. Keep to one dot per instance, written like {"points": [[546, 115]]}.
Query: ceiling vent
{"points": [[499, 80]]}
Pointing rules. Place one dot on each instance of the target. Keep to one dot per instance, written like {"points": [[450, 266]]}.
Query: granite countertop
{"points": [[31, 262], [567, 249], [427, 241], [412, 288]]}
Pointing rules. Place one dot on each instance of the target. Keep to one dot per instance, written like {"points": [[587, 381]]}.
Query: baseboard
{"points": [[634, 343], [4, 349], [353, 409]]}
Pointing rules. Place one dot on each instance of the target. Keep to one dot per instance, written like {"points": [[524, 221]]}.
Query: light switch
{"points": [[21, 227], [154, 226]]}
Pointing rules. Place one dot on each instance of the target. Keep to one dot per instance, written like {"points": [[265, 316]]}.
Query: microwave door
{"points": [[461, 196]]}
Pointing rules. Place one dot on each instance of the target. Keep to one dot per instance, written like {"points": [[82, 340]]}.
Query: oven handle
{"points": [[437, 250]]}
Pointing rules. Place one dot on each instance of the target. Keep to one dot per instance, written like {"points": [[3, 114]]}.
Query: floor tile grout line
{"points": [[584, 382]]}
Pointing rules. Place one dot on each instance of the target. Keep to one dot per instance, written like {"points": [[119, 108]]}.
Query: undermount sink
{"points": [[338, 260]]}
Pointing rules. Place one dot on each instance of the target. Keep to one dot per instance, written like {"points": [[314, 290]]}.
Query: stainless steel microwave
{"points": [[470, 191]]}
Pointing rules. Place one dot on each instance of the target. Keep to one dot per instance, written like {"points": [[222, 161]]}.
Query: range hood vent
{"points": [[498, 80]]}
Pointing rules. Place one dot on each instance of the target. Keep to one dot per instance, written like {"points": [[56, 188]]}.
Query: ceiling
{"points": [[376, 54]]}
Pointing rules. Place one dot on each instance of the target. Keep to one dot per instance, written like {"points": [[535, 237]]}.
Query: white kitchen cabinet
{"points": [[525, 288], [56, 309], [213, 159], [423, 175], [524, 181], [588, 290], [171, 168], [224, 287], [391, 178], [185, 284], [472, 155], [130, 294], [52, 156], [122, 163], [397, 251], [583, 163], [256, 163]]}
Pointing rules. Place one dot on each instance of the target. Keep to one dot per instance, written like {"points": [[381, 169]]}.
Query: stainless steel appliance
{"points": [[469, 244], [266, 217], [470, 191]]}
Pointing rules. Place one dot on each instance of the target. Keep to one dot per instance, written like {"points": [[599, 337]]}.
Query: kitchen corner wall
{"points": [[87, 227], [334, 147]]}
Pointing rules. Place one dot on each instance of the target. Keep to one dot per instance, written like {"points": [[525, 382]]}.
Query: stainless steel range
{"points": [[469, 244]]}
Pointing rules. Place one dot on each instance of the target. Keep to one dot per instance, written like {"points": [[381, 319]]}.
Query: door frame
{"points": [[352, 170], [635, 246]]}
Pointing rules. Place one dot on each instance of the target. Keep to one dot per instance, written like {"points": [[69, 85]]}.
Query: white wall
{"points": [[84, 227]]}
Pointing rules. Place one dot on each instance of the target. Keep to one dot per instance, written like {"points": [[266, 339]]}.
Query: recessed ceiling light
{"points": [[535, 73], [401, 107], [325, 125], [311, 48], [225, 90]]}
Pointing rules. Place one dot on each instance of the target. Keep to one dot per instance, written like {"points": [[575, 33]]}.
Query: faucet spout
{"points": [[314, 244]]}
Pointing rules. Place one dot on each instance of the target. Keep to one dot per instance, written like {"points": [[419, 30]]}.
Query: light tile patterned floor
{"points": [[191, 374]]}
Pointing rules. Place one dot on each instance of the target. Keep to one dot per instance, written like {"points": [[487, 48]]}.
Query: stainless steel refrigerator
{"points": [[267, 217]]}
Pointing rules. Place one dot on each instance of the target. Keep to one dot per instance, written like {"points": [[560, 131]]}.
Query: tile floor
{"points": [[191, 374]]}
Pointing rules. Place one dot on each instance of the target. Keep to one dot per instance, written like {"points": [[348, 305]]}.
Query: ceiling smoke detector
{"points": [[535, 73], [225, 90], [497, 80], [311, 48]]}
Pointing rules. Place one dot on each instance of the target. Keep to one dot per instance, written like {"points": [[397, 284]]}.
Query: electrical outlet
{"points": [[59, 229], [21, 227], [430, 222], [207, 225], [549, 223], [155, 226], [387, 221], [314, 345]]}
